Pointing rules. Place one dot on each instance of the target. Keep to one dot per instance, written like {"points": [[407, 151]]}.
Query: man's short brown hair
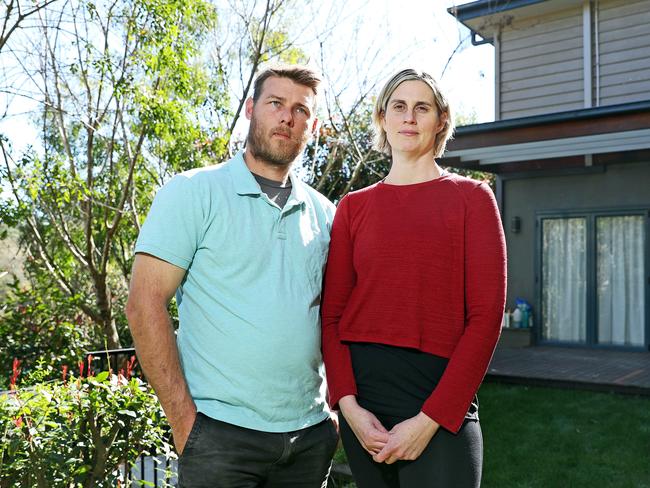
{"points": [[299, 74]]}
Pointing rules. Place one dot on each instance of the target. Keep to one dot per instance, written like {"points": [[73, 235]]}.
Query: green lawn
{"points": [[546, 438]]}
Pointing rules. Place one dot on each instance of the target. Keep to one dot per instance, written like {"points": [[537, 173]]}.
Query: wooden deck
{"points": [[593, 369]]}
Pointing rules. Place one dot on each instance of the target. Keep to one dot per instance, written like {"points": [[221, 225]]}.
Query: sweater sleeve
{"points": [[485, 287], [340, 279]]}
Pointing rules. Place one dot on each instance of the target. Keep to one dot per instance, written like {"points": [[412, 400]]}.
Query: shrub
{"points": [[42, 330], [79, 432]]}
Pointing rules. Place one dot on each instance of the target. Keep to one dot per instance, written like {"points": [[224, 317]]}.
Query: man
{"points": [[243, 244]]}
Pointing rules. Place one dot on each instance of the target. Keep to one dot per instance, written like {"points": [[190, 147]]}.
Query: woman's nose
{"points": [[409, 116]]}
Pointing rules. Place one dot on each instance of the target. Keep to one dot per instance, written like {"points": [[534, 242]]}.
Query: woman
{"points": [[413, 302]]}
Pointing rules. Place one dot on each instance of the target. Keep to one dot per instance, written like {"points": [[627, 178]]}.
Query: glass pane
{"points": [[621, 304], [564, 294]]}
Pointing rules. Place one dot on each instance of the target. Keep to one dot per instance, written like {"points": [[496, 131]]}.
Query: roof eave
{"points": [[483, 8], [534, 120]]}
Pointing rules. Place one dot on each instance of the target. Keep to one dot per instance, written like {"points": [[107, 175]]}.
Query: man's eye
{"points": [[302, 110], [275, 103]]}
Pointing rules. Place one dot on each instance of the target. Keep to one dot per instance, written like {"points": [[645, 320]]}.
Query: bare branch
{"points": [[258, 45], [453, 53], [7, 31]]}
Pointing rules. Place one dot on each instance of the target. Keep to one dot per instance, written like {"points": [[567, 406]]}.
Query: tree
{"points": [[120, 87], [252, 33], [130, 92]]}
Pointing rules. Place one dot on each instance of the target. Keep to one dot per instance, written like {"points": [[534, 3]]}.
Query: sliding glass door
{"points": [[621, 268], [593, 279]]}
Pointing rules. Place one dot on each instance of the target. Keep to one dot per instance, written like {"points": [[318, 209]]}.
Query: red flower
{"points": [[65, 372], [15, 372], [129, 367]]}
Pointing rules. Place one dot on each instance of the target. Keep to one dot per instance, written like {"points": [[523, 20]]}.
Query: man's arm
{"points": [[153, 283]]}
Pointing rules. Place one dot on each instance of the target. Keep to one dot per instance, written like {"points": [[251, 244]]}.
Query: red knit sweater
{"points": [[420, 266]]}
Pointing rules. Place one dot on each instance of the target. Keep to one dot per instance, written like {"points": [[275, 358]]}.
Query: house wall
{"points": [[622, 69], [541, 65], [540, 60], [622, 185]]}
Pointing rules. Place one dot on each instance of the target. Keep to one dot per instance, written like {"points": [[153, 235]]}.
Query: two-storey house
{"points": [[570, 148]]}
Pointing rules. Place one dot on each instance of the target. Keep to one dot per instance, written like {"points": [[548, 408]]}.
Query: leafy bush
{"points": [[43, 329], [79, 433]]}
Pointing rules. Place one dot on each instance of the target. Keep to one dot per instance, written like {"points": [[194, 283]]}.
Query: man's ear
{"points": [[249, 108]]}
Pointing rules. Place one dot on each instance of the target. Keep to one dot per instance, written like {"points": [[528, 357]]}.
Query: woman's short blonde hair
{"points": [[442, 105]]}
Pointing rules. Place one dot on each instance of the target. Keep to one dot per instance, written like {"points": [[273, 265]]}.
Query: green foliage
{"points": [[125, 94], [178, 85], [79, 432], [43, 329], [279, 45]]}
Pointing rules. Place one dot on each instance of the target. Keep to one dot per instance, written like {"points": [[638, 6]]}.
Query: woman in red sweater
{"points": [[413, 301]]}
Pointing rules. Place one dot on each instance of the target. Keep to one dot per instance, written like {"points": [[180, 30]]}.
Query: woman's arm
{"points": [[339, 282], [485, 290]]}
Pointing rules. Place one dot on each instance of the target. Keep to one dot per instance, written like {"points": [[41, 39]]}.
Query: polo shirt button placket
{"points": [[281, 232]]}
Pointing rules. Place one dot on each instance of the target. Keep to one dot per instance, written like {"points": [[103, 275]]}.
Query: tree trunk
{"points": [[106, 313]]}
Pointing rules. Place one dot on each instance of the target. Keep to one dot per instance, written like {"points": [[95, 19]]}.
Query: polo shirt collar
{"points": [[243, 180], [298, 193], [245, 183]]}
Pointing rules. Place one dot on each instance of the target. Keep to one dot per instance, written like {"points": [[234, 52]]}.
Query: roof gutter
{"points": [[480, 42]]}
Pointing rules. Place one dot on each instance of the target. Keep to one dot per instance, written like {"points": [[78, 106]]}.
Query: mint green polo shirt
{"points": [[249, 334]]}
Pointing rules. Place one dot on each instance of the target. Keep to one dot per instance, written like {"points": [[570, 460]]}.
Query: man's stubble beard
{"points": [[261, 147]]}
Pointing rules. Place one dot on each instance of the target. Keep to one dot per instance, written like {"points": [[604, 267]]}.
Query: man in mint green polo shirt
{"points": [[243, 246]]}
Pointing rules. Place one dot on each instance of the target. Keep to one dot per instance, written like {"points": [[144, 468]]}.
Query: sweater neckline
{"points": [[442, 177]]}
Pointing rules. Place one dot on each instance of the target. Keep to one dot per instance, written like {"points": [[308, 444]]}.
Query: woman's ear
{"points": [[444, 117]]}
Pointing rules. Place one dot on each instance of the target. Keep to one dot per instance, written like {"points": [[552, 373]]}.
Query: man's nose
{"points": [[286, 117]]}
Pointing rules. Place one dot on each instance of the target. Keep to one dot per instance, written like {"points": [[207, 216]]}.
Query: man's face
{"points": [[281, 121]]}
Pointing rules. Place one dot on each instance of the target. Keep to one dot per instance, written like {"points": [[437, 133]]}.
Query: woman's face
{"points": [[411, 120]]}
